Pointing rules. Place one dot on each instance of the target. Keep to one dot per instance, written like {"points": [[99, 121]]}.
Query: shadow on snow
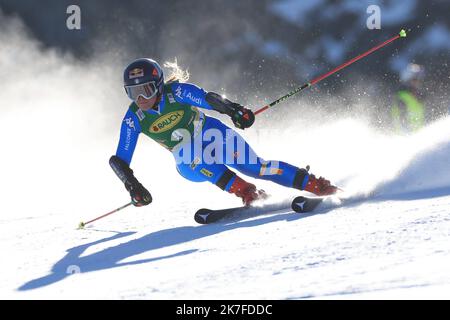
{"points": [[110, 257]]}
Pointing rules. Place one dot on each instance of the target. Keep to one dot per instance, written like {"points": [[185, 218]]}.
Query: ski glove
{"points": [[139, 195], [242, 117]]}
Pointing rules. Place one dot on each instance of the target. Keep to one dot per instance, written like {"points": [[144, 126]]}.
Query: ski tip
{"points": [[201, 216], [305, 204], [402, 33], [81, 225], [298, 204]]}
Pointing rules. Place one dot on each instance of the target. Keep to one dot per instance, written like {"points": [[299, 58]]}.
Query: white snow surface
{"points": [[394, 245], [59, 132]]}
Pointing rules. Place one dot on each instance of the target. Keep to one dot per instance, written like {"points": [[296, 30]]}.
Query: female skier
{"points": [[169, 114]]}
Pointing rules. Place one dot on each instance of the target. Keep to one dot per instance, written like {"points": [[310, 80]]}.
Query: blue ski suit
{"points": [[213, 149]]}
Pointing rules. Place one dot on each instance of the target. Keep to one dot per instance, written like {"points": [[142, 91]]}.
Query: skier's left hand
{"points": [[242, 117]]}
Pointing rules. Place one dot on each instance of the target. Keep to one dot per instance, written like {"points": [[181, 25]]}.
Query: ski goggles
{"points": [[146, 90]]}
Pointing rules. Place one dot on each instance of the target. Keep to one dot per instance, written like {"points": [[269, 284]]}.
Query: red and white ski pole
{"points": [[83, 224], [401, 34]]}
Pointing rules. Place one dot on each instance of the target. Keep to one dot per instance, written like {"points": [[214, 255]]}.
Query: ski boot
{"points": [[247, 191], [319, 186]]}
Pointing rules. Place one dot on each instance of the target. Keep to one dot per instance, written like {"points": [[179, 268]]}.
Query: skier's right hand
{"points": [[139, 195]]}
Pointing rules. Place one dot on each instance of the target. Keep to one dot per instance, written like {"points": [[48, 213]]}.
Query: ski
{"points": [[303, 204], [300, 204], [207, 216]]}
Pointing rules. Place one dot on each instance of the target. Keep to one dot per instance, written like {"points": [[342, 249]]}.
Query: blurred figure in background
{"points": [[408, 109]]}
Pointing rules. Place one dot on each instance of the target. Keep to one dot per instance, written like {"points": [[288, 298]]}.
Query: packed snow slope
{"points": [[394, 245], [59, 131]]}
